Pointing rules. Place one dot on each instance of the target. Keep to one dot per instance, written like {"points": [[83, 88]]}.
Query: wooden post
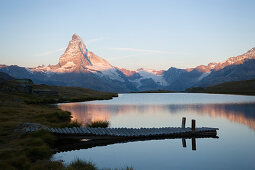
{"points": [[193, 141], [183, 122], [193, 125], [184, 142]]}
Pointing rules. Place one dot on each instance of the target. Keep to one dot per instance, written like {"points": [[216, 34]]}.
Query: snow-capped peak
{"points": [[77, 58], [76, 37]]}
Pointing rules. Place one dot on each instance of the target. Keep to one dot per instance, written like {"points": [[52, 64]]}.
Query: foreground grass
{"points": [[78, 164], [83, 165], [33, 150]]}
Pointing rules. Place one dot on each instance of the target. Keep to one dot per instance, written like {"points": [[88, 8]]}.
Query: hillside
{"points": [[32, 93], [246, 87], [23, 102]]}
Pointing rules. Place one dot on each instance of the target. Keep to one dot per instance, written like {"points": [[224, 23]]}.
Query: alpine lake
{"points": [[234, 115]]}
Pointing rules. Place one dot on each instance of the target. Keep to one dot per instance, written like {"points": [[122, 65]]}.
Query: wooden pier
{"points": [[92, 137], [108, 133], [132, 133]]}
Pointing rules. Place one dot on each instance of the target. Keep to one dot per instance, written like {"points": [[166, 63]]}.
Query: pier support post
{"points": [[184, 142], [183, 122], [193, 125], [193, 141]]}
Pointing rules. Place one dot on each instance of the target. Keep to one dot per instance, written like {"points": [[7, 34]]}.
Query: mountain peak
{"points": [[251, 50], [76, 37]]}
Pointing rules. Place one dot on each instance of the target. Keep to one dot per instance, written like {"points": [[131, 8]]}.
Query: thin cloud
{"points": [[94, 40], [141, 50], [50, 52], [126, 56]]}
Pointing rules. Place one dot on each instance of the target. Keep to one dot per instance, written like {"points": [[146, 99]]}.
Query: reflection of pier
{"points": [[86, 144]]}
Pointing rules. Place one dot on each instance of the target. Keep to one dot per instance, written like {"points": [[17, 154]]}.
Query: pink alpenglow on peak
{"points": [[77, 58], [76, 36]]}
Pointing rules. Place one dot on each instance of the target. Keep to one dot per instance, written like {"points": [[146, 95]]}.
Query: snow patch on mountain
{"points": [[204, 75], [154, 75]]}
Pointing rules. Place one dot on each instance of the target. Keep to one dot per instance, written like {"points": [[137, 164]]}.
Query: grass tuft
{"points": [[74, 124], [81, 165], [99, 123]]}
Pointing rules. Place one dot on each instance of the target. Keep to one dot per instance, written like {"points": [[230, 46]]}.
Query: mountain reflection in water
{"points": [[236, 113]]}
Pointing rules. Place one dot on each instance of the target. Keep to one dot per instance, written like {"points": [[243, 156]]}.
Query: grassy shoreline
{"points": [[33, 151]]}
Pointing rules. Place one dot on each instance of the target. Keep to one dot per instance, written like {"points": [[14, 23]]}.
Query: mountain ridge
{"points": [[80, 67]]}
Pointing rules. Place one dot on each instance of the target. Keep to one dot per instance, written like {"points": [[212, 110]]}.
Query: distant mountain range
{"points": [[82, 68]]}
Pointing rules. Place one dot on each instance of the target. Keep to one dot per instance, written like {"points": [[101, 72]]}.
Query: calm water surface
{"points": [[234, 115]]}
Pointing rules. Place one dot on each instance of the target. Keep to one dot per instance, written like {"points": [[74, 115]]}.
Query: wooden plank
{"points": [[125, 132], [76, 130], [136, 132], [100, 131], [118, 132], [105, 131], [111, 131], [97, 131], [71, 130], [88, 129], [60, 131], [68, 131], [84, 131], [64, 130], [93, 130], [57, 130], [114, 131], [132, 132], [142, 132], [52, 130], [79, 130], [152, 131]]}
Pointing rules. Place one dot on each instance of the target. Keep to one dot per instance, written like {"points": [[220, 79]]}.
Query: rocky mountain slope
{"points": [[82, 68]]}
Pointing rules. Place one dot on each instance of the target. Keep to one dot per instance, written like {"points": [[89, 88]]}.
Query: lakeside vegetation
{"points": [[98, 123], [33, 151], [246, 87]]}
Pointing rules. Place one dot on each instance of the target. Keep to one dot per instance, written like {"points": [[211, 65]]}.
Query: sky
{"points": [[156, 34]]}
